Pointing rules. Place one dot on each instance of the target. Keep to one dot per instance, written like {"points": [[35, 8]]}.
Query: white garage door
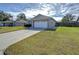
{"points": [[40, 24]]}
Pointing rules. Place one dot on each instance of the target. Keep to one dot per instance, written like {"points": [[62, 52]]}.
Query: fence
{"points": [[12, 23], [68, 24]]}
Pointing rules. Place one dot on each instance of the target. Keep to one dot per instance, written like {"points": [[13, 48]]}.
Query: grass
{"points": [[9, 29], [63, 41]]}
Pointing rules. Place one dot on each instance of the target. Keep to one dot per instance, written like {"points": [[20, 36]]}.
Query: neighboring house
{"points": [[1, 24], [20, 23], [13, 23], [6, 23], [43, 22]]}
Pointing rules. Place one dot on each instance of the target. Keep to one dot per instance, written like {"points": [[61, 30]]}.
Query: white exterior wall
{"points": [[52, 24], [19, 24], [41, 24]]}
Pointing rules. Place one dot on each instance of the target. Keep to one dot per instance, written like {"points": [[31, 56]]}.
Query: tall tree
{"points": [[68, 17], [1, 15], [5, 16], [21, 16], [78, 19]]}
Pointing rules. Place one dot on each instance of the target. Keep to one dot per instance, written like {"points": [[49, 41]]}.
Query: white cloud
{"points": [[48, 9], [14, 14], [44, 10]]}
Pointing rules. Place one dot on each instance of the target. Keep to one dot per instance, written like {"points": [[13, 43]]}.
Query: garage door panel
{"points": [[40, 24]]}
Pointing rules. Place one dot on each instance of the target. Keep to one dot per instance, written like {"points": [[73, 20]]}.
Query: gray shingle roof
{"points": [[42, 17]]}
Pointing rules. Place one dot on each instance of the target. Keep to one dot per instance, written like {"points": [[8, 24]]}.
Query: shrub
{"points": [[27, 25]]}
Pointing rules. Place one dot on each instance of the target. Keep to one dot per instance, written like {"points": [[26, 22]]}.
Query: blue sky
{"points": [[31, 9], [15, 7]]}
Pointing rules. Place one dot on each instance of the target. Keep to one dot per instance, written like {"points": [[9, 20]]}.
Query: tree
{"points": [[1, 15], [21, 16], [5, 16], [78, 19], [68, 17]]}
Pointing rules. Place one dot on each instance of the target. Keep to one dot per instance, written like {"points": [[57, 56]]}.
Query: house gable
{"points": [[41, 17]]}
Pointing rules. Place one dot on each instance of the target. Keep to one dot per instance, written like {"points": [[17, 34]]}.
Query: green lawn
{"points": [[65, 40], [9, 29]]}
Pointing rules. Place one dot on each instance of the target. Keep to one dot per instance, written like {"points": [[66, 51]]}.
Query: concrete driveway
{"points": [[7, 39]]}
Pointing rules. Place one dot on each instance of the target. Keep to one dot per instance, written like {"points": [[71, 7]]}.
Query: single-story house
{"points": [[20, 23], [13, 23], [43, 22], [6, 23], [1, 24]]}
